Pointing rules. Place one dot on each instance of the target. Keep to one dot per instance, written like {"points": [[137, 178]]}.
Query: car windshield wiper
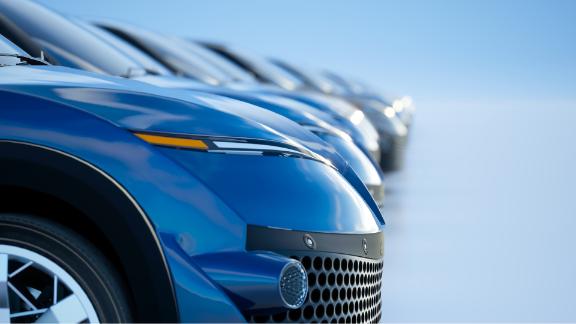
{"points": [[27, 59]]}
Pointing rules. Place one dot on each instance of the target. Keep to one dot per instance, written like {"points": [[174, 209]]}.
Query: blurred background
{"points": [[481, 222]]}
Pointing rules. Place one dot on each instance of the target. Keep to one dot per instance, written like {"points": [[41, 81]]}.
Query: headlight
{"points": [[398, 105], [228, 145]]}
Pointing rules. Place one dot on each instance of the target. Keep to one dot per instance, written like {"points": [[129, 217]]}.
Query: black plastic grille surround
{"points": [[342, 289]]}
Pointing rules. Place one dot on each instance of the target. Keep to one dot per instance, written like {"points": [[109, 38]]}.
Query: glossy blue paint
{"points": [[138, 106], [280, 190], [296, 111], [85, 115], [175, 201], [201, 113]]}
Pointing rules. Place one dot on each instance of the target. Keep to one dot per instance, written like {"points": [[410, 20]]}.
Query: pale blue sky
{"points": [[434, 50]]}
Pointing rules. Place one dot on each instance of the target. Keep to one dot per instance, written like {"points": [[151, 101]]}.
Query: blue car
{"points": [[125, 202]]}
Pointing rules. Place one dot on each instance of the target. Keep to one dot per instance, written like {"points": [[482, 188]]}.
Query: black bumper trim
{"points": [[273, 239]]}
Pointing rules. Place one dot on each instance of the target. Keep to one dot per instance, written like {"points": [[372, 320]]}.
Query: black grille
{"points": [[342, 289]]}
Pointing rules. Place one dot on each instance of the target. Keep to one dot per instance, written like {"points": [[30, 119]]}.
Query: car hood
{"points": [[138, 106], [342, 152], [337, 106]]}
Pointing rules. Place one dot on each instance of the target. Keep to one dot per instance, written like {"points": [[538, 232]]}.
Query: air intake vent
{"points": [[341, 289]]}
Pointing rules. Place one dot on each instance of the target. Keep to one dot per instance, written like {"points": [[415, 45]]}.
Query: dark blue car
{"points": [[125, 202]]}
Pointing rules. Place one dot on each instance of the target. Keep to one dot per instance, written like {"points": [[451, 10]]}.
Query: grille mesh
{"points": [[342, 289]]}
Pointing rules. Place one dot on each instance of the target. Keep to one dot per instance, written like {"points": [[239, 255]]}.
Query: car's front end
{"points": [[212, 217]]}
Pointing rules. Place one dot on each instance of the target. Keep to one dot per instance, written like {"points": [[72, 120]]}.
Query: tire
{"points": [[85, 278]]}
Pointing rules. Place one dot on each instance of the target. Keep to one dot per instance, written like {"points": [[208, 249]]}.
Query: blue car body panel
{"points": [[294, 110], [263, 96], [176, 203], [135, 110], [137, 106]]}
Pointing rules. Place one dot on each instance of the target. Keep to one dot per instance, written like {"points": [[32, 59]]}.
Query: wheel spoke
{"points": [[4, 301], [28, 302], [55, 291], [32, 312], [68, 310], [17, 271], [33, 286]]}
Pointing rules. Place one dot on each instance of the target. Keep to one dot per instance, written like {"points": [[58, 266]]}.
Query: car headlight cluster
{"points": [[228, 145]]}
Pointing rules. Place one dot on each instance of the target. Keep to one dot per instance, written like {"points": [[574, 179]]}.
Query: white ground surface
{"points": [[481, 223]]}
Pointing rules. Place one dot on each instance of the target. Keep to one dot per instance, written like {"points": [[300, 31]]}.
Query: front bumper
{"points": [[344, 274], [392, 159]]}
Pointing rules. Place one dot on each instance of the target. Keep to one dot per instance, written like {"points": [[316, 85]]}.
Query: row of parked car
{"points": [[149, 177]]}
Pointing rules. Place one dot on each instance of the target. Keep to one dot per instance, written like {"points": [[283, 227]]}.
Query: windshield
{"points": [[310, 77], [170, 52], [134, 53], [65, 42], [7, 49], [337, 79], [267, 70], [217, 61], [323, 82]]}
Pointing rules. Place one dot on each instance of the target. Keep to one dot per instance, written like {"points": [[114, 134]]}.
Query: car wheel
{"points": [[48, 273]]}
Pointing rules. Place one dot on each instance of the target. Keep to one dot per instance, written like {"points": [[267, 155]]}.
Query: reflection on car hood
{"points": [[138, 106], [260, 96]]}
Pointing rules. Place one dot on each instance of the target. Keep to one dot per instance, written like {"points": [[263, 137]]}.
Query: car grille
{"points": [[342, 289]]}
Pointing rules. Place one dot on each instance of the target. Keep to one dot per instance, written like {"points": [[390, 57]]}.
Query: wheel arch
{"points": [[78, 195]]}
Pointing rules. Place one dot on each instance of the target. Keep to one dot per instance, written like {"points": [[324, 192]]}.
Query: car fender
{"points": [[149, 199]]}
